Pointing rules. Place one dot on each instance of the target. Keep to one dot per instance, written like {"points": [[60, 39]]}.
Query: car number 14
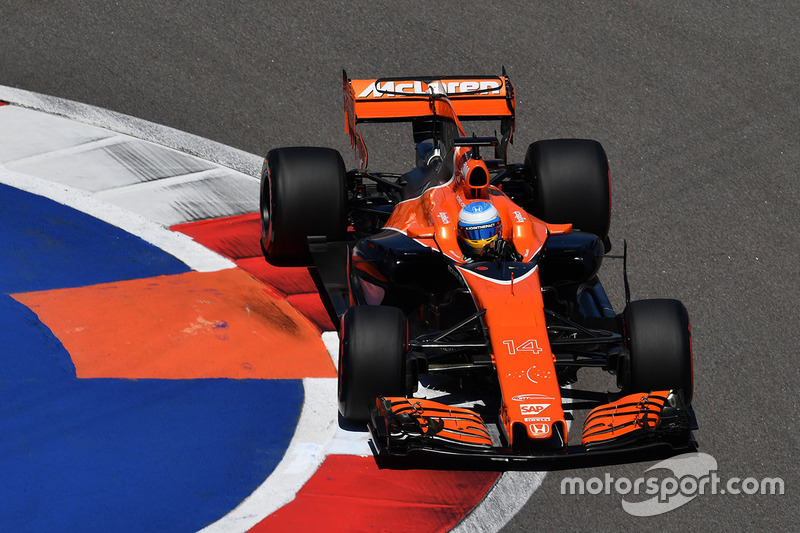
{"points": [[531, 345]]}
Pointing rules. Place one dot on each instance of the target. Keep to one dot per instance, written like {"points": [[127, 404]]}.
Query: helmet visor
{"points": [[477, 236], [480, 232]]}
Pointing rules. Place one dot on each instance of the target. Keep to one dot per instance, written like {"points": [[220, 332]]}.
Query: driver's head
{"points": [[478, 225]]}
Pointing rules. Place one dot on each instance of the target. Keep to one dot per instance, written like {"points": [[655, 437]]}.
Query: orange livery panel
{"points": [[525, 365]]}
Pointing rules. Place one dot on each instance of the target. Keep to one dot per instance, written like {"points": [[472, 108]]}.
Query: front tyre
{"points": [[658, 339], [372, 358]]}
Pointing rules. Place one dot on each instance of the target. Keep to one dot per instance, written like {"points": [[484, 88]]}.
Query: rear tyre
{"points": [[372, 358], [303, 193], [658, 339], [569, 182]]}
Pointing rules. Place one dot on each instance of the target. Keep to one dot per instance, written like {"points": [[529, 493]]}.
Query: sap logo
{"points": [[533, 408], [540, 429], [538, 419], [525, 397], [519, 216], [445, 219], [411, 87]]}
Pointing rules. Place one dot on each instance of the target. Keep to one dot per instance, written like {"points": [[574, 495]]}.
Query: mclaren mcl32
{"points": [[455, 348]]}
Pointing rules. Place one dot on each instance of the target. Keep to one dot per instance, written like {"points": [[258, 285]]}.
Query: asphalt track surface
{"points": [[697, 108]]}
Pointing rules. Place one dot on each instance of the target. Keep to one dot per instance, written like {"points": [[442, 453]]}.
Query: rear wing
{"points": [[407, 99]]}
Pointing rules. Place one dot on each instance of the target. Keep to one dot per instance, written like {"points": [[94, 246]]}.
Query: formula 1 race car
{"points": [[466, 289]]}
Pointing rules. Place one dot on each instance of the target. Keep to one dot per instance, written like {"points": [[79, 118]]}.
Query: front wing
{"points": [[408, 426]]}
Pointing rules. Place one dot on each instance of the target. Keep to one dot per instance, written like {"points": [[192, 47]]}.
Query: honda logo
{"points": [[540, 429]]}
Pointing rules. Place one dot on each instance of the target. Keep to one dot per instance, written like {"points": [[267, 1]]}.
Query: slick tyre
{"points": [[372, 358], [303, 194], [568, 180], [658, 339]]}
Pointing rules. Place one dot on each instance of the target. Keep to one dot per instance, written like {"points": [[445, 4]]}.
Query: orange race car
{"points": [[466, 289]]}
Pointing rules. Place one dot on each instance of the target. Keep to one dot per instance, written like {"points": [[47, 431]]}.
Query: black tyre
{"points": [[303, 193], [658, 339], [569, 182], [372, 358]]}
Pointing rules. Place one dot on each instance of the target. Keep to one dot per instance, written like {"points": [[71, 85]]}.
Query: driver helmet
{"points": [[478, 225]]}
